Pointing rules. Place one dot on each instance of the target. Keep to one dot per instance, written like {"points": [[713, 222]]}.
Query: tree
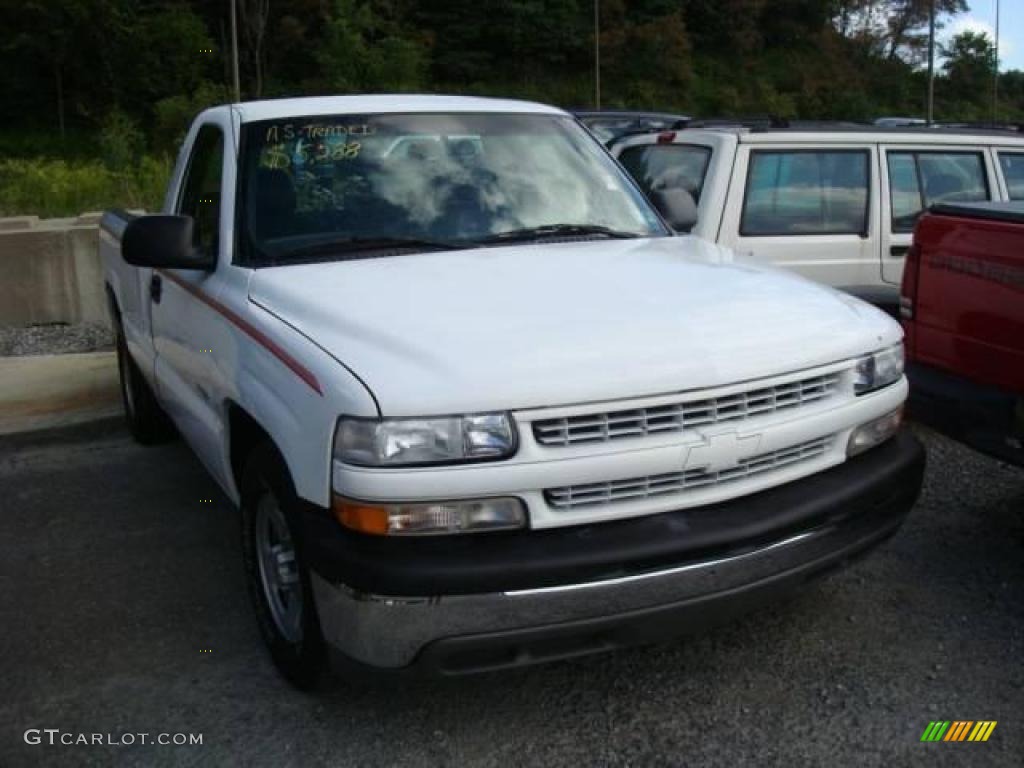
{"points": [[44, 34], [968, 67], [252, 24], [726, 25], [364, 49], [908, 24], [91, 67], [645, 60], [1011, 96], [164, 53], [509, 44], [895, 29]]}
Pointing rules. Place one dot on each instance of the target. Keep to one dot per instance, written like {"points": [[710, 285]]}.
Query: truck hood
{"points": [[556, 324]]}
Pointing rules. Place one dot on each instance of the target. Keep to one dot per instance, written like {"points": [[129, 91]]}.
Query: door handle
{"points": [[156, 288], [898, 250]]}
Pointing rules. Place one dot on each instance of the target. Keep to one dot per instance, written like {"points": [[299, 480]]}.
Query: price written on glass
{"points": [[311, 143], [277, 156]]}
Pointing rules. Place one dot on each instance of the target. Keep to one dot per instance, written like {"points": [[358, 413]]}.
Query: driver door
{"points": [[183, 322]]}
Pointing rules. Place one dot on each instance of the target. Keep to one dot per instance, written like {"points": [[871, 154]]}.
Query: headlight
{"points": [[410, 442], [430, 518], [874, 432], [878, 370]]}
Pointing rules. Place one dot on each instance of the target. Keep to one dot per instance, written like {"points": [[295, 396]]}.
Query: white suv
{"points": [[836, 205]]}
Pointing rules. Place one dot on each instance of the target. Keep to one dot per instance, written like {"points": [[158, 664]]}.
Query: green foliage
{"points": [[633, 52], [363, 50], [65, 66], [169, 53], [99, 93], [121, 141], [77, 145], [970, 58], [173, 115], [48, 187]]}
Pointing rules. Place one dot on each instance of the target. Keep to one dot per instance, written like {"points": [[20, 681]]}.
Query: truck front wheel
{"points": [[278, 578]]}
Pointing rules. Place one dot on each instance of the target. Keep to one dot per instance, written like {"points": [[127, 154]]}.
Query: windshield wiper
{"points": [[346, 246], [553, 230]]}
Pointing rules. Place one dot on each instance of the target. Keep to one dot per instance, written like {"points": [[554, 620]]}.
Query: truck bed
{"points": [[963, 304]]}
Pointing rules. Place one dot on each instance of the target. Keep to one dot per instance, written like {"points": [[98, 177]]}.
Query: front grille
{"points": [[573, 496], [675, 417]]}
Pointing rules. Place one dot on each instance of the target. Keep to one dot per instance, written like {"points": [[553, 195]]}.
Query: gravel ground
{"points": [[56, 339], [117, 579]]}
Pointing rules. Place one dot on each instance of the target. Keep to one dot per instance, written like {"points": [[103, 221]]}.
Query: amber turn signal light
{"points": [[360, 517], [430, 518]]}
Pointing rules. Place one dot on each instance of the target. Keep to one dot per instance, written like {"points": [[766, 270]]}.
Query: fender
{"points": [[299, 420]]}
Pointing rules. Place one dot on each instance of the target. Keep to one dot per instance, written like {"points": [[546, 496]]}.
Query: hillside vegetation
{"points": [[97, 93]]}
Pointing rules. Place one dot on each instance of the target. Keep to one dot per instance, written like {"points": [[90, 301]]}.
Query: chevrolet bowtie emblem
{"points": [[721, 451]]}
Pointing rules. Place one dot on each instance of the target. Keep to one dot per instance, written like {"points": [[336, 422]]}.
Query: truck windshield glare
{"points": [[410, 181]]}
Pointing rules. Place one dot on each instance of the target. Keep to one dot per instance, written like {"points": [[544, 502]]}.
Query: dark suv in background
{"points": [[611, 124]]}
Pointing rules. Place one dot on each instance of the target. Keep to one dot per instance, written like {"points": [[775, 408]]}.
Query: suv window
{"points": [[200, 197], [918, 180], [806, 192], [1013, 172], [660, 166]]}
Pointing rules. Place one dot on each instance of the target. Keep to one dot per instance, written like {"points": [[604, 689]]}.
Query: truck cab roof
{"points": [[277, 109]]}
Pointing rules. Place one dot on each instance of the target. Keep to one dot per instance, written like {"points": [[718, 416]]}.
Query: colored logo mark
{"points": [[958, 730]]}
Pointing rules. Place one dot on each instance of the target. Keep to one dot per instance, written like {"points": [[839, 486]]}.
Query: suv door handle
{"points": [[898, 250], [156, 288]]}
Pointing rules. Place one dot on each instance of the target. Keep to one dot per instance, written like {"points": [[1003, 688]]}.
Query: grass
{"points": [[50, 187]]}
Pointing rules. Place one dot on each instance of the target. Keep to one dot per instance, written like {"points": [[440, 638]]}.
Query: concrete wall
{"points": [[44, 391], [50, 271]]}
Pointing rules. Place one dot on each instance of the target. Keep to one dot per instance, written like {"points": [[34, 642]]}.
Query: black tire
{"points": [[147, 421], [296, 645]]}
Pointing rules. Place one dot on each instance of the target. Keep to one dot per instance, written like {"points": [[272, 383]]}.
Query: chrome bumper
{"points": [[457, 634]]}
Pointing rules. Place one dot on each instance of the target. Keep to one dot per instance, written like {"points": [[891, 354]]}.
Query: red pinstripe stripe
{"points": [[250, 330]]}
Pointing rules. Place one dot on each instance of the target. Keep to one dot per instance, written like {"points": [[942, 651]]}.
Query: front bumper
{"points": [[543, 595]]}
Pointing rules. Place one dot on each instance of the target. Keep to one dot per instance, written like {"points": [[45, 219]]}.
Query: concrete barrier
{"points": [[45, 391], [50, 271]]}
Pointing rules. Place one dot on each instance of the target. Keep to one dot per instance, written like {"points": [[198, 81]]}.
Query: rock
{"points": [[56, 339]]}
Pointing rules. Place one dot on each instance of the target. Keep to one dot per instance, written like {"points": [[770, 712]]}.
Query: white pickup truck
{"points": [[835, 204], [477, 404]]}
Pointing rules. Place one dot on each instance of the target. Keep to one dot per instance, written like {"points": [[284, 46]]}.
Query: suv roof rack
{"points": [[749, 121], [839, 126], [772, 124], [911, 129], [983, 125]]}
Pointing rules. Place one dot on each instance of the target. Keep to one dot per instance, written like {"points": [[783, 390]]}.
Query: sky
{"points": [[982, 18]]}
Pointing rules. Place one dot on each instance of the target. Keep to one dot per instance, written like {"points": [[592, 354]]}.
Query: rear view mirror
{"points": [[677, 206], [163, 241]]}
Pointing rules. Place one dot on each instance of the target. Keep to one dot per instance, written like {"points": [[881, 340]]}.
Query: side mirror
{"points": [[677, 206], [163, 241]]}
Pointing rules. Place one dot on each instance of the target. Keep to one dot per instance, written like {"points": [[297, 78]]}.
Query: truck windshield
{"points": [[345, 186]]}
